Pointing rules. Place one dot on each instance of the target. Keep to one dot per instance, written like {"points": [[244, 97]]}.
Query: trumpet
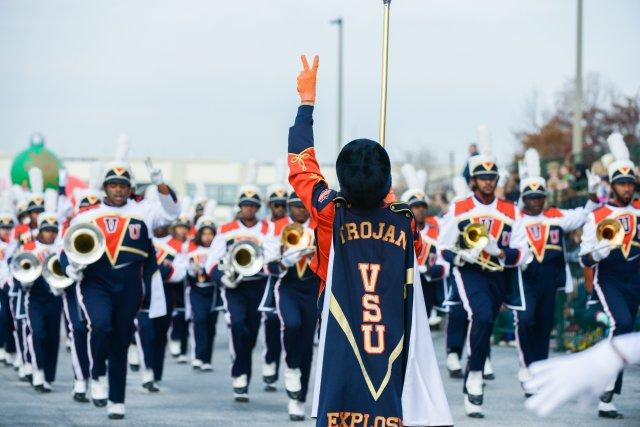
{"points": [[476, 236], [54, 275], [245, 258], [26, 268], [608, 229], [295, 236], [84, 244]]}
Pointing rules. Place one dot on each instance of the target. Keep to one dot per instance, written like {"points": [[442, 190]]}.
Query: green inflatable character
{"points": [[37, 155]]}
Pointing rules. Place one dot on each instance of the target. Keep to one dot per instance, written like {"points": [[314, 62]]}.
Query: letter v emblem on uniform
{"points": [[369, 273]]}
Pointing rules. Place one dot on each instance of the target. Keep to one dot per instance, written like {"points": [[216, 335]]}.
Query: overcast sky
{"points": [[216, 79]]}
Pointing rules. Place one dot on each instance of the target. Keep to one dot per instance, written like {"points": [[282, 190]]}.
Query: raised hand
{"points": [[307, 80]]}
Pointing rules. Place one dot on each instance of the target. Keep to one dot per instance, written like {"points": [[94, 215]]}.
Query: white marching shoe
{"points": [[80, 391], [147, 381], [115, 411], [296, 410], [269, 376], [487, 372], [25, 372], [174, 348], [523, 376], [608, 410], [133, 358], [196, 364], [434, 319], [38, 380], [206, 367], [99, 391], [474, 397], [3, 355], [182, 359], [241, 388], [453, 365], [292, 382]]}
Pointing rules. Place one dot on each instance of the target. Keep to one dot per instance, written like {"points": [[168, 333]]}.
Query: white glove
{"points": [[602, 250], [231, 281], [291, 256], [593, 182], [466, 256], [492, 247], [155, 174], [422, 269], [193, 269], [62, 178], [585, 375], [74, 273], [503, 177]]}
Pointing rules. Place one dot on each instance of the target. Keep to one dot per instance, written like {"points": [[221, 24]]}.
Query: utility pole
{"points": [[577, 109]]}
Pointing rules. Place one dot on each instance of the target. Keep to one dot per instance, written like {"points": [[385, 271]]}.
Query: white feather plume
{"points": [[251, 171], [421, 179], [96, 175], [210, 208], [18, 194], [483, 135], [532, 162], [618, 147], [122, 148], [410, 175], [50, 200], [36, 182], [460, 187]]}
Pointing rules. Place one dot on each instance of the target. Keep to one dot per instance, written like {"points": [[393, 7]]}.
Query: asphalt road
{"points": [[204, 399]]}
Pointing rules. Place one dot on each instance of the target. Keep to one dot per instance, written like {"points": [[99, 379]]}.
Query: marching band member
{"points": [[277, 202], [204, 294], [545, 269], [483, 282], [241, 295], [430, 264], [614, 255], [374, 335], [181, 243], [110, 290], [457, 322], [76, 323], [7, 342], [43, 305], [151, 334], [296, 292]]}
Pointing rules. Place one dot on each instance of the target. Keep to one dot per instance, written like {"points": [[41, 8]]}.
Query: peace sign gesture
{"points": [[307, 80]]}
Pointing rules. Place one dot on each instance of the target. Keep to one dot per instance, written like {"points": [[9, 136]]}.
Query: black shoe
{"points": [[80, 397], [271, 379], [241, 394], [100, 403], [40, 388], [528, 395], [116, 416], [134, 368], [150, 387], [456, 374], [488, 376], [296, 417], [28, 378], [607, 396], [269, 388], [615, 415], [476, 399], [476, 415]]}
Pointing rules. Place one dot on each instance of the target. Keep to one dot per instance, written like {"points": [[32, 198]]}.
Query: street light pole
{"points": [[577, 110], [339, 22]]}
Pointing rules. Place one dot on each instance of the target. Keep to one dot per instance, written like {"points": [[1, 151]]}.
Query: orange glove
{"points": [[307, 80]]}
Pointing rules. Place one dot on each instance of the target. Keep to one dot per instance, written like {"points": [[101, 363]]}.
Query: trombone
{"points": [[608, 229], [476, 236]]}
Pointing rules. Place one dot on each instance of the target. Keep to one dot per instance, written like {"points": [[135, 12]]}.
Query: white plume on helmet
{"points": [[622, 163], [416, 181], [533, 178], [251, 172], [485, 153], [36, 181], [208, 217], [483, 135], [460, 187], [121, 159], [200, 196]]}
